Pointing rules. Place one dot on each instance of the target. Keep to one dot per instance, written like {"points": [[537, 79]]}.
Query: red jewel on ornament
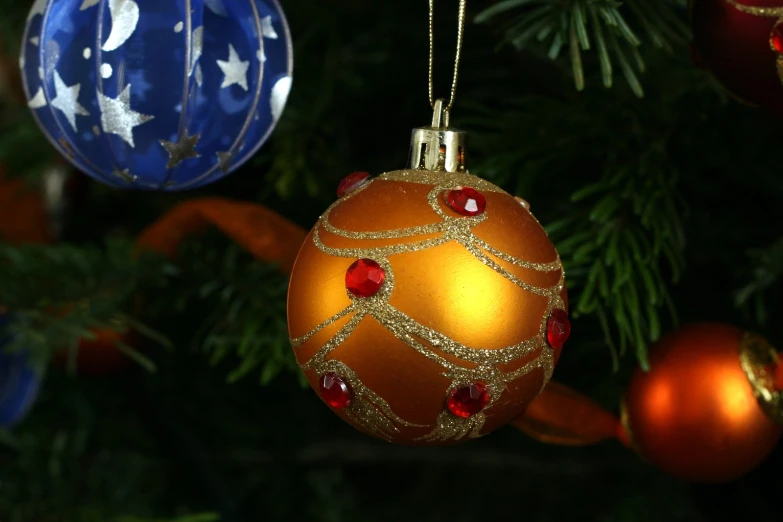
{"points": [[335, 391], [364, 278], [466, 201], [352, 182], [466, 401], [558, 328], [777, 38]]}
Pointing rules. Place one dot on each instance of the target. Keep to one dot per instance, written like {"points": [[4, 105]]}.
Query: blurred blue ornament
{"points": [[19, 383], [152, 94]]}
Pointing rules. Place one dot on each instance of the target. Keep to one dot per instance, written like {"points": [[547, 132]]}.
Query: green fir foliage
{"points": [[662, 208]]}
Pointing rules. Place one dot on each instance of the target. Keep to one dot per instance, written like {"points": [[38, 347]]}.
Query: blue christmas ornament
{"points": [[152, 94], [19, 383]]}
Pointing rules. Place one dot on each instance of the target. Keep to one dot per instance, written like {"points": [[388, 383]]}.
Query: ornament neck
{"points": [[437, 147]]}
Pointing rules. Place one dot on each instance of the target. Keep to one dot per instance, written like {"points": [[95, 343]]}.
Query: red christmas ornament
{"points": [[740, 42], [466, 201], [364, 278], [467, 401]]}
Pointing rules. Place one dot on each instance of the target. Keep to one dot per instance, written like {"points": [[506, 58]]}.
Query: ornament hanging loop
{"points": [[460, 37], [438, 147], [440, 116]]}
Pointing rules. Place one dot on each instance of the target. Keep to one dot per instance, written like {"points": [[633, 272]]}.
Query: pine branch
{"points": [[243, 302], [610, 27], [617, 161], [763, 275], [58, 295]]}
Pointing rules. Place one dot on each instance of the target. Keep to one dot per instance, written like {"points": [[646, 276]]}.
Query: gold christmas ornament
{"points": [[427, 305]]}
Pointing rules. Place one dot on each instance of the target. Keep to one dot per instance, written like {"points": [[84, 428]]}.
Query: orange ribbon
{"points": [[561, 415], [262, 232], [23, 214]]}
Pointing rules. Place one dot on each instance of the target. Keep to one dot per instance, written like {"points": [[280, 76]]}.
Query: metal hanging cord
{"points": [[460, 35]]}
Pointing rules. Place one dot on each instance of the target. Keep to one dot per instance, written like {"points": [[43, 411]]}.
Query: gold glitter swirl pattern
{"points": [[755, 10], [431, 177], [450, 427], [369, 410]]}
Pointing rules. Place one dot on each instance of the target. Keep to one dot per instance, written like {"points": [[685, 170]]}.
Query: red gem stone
{"points": [[364, 278], [466, 201], [777, 38], [352, 182], [466, 401], [335, 391], [558, 328]]}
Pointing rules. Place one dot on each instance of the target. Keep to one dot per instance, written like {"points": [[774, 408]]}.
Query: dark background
{"points": [[263, 447]]}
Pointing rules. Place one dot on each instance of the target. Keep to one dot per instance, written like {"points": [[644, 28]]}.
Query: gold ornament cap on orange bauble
{"points": [[427, 306], [707, 409]]}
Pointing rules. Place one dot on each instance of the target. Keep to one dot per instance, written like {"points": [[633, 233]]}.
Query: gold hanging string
{"points": [[460, 34]]}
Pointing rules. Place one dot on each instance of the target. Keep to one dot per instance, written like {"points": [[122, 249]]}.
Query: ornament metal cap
{"points": [[437, 147]]}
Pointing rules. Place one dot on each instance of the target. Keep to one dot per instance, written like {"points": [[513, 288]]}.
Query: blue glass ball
{"points": [[157, 95], [19, 383]]}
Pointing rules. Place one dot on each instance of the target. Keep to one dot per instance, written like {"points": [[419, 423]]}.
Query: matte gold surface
{"points": [[465, 298]]}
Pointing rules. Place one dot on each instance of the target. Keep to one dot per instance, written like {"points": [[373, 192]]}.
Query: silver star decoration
{"points": [[234, 69], [225, 159], [217, 7], [267, 29], [280, 92], [197, 45], [38, 9], [118, 118], [67, 100], [88, 3], [124, 175], [181, 150], [37, 101], [35, 40]]}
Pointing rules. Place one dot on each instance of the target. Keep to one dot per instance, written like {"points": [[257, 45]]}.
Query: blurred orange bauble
{"points": [[704, 412], [427, 307], [741, 43]]}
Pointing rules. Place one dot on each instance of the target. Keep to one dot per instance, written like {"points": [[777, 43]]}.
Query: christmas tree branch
{"points": [[58, 295], [762, 276], [609, 27], [244, 305]]}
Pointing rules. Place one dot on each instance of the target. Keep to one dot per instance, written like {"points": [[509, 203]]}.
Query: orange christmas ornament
{"points": [[707, 408], [427, 305]]}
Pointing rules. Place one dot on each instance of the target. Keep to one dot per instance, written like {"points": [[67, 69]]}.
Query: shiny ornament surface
{"points": [[464, 303], [696, 414], [737, 42], [156, 95], [19, 383]]}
